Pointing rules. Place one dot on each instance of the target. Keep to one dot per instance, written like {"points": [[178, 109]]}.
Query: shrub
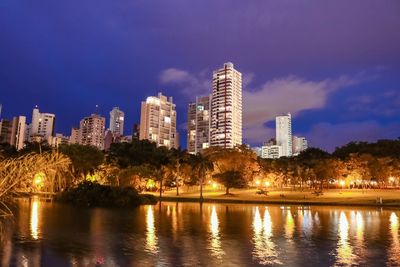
{"points": [[91, 194]]}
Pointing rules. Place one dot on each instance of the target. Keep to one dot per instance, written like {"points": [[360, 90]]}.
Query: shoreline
{"points": [[275, 202]]}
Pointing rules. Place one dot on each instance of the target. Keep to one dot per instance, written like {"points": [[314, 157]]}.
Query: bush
{"points": [[91, 194]]}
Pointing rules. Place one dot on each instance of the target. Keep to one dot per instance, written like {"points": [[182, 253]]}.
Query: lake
{"points": [[187, 234]]}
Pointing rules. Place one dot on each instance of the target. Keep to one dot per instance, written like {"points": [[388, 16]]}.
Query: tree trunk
{"points": [[201, 188], [161, 189], [177, 181], [226, 190]]}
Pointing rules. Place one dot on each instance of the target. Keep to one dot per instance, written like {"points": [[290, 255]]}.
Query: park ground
{"points": [[343, 197]]}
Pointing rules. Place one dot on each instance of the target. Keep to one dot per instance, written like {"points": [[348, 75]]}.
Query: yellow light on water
{"points": [[34, 222]]}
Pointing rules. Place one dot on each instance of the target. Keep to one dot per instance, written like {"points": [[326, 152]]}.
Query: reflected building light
{"points": [[289, 227], [151, 238], [394, 251], [34, 222], [360, 227], [344, 253], [215, 244], [264, 249]]}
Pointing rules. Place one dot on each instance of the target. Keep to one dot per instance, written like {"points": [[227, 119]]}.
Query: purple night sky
{"points": [[335, 65]]}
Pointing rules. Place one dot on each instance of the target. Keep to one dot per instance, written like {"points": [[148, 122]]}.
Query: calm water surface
{"points": [[186, 234]]}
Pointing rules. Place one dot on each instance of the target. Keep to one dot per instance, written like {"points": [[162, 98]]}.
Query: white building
{"points": [[117, 121], [284, 134], [299, 144], [91, 131], [158, 121], [199, 120], [226, 107], [59, 139], [42, 125], [271, 152]]}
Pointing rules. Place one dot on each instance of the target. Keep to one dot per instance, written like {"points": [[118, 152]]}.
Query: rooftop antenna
{"points": [[97, 109]]}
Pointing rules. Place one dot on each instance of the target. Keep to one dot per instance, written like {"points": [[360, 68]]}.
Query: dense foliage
{"points": [[88, 194], [143, 166]]}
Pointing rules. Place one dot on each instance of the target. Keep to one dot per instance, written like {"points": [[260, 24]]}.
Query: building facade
{"points": [[284, 134], [299, 144], [42, 125], [271, 151], [199, 121], [158, 121], [226, 107], [91, 131], [18, 132], [117, 118], [74, 137]]}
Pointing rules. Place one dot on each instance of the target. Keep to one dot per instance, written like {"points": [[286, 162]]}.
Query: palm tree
{"points": [[201, 165]]}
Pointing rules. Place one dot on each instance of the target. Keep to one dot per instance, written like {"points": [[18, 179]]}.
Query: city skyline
{"points": [[338, 78]]}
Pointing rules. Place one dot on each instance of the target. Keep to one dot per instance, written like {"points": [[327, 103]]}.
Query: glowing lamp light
{"points": [[38, 179], [258, 182], [267, 183], [342, 183], [214, 185]]}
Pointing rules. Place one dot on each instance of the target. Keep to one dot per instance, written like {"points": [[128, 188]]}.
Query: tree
{"points": [[178, 157], [201, 165], [85, 159], [231, 179]]}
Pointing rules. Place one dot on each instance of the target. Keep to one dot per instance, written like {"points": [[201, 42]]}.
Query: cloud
{"points": [[329, 136], [288, 94], [190, 85]]}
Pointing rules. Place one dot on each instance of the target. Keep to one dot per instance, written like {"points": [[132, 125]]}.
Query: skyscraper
{"points": [[226, 107], [42, 125], [158, 121], [117, 121], [284, 134], [199, 119], [91, 131]]}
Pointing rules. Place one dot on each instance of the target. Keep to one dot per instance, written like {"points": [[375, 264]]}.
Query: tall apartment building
{"points": [[5, 131], [42, 125], [18, 132], [199, 120], [158, 121], [226, 107], [299, 144], [91, 131], [13, 131], [74, 137], [117, 121], [284, 134]]}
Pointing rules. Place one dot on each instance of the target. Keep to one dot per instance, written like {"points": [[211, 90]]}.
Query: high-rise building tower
{"points": [[299, 144], [226, 107], [18, 132], [42, 125], [91, 131], [158, 121], [117, 121], [199, 120], [74, 137], [284, 134]]}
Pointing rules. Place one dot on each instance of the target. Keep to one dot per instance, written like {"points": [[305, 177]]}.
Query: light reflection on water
{"points": [[394, 250], [215, 241], [151, 238], [190, 235], [264, 248], [34, 222]]}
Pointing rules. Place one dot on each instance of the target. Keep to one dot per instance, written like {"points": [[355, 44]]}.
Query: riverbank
{"points": [[332, 197]]}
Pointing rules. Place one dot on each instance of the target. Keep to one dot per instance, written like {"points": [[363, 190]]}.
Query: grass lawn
{"points": [[390, 197]]}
